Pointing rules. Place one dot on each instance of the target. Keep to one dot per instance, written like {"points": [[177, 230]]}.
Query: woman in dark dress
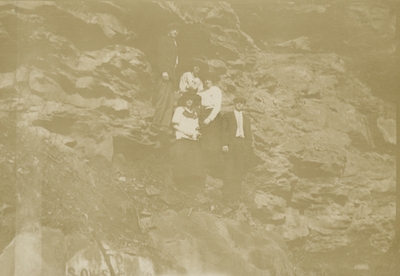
{"points": [[211, 124], [186, 153]]}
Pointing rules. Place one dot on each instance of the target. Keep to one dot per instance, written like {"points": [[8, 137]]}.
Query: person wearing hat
{"points": [[190, 81], [237, 147], [186, 153], [211, 123], [167, 61]]}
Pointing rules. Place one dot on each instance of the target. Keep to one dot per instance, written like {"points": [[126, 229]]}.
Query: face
{"points": [[196, 69], [239, 106], [208, 83], [189, 103], [174, 33]]}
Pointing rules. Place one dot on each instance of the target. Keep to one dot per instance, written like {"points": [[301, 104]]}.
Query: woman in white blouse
{"points": [[190, 81], [211, 122], [186, 153]]}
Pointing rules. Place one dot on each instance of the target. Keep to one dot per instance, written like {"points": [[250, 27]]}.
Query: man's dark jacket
{"points": [[167, 54], [229, 127]]}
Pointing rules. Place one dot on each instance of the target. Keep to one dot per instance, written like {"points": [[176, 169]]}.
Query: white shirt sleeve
{"points": [[216, 98], [200, 88], [184, 82], [177, 115], [239, 123]]}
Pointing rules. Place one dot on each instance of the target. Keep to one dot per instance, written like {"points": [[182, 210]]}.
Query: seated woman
{"points": [[190, 81], [211, 123], [187, 168]]}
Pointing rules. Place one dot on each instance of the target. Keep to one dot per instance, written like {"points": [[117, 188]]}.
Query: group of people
{"points": [[206, 141]]}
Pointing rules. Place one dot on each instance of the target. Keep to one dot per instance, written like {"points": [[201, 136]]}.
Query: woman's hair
{"points": [[212, 76], [201, 62], [189, 96], [173, 26]]}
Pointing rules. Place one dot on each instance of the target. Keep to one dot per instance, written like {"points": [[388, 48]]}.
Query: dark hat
{"points": [[239, 100], [212, 76], [200, 58], [189, 96], [173, 26], [201, 62]]}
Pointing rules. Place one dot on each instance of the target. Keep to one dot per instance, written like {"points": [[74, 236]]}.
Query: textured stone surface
{"points": [[38, 252], [388, 129], [203, 244], [324, 140]]}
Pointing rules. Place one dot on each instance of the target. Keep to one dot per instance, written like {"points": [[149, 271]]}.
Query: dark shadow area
{"points": [[131, 150], [59, 125], [309, 169]]}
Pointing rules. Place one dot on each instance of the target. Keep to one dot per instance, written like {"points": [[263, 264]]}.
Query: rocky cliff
{"points": [[76, 83]]}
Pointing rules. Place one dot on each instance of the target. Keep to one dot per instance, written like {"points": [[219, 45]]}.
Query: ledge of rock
{"points": [[202, 244]]}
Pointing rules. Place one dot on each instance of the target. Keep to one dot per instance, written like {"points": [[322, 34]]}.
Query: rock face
{"points": [[319, 151], [71, 91], [202, 244], [362, 32], [319, 26], [80, 77], [90, 260], [49, 252]]}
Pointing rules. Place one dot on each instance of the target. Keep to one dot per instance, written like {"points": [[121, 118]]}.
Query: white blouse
{"points": [[212, 98], [188, 80], [185, 122]]}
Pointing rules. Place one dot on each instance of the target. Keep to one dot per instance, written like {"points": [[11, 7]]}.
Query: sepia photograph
{"points": [[199, 138]]}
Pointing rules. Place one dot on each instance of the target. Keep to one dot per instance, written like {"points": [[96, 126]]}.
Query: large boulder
{"points": [[36, 253], [47, 252], [202, 244], [388, 128]]}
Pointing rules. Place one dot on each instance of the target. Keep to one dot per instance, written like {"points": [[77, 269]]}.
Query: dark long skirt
{"points": [[164, 104], [210, 142], [187, 164], [236, 164]]}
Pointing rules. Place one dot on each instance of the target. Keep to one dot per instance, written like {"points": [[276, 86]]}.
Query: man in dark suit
{"points": [[167, 61], [237, 147]]}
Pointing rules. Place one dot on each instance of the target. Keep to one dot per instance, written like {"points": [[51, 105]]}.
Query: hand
{"points": [[225, 149], [207, 121], [165, 76]]}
